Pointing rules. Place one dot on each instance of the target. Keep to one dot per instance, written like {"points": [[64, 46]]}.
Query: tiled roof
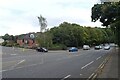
{"points": [[26, 36]]}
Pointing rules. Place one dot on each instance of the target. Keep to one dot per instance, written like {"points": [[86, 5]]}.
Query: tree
{"points": [[6, 37], [67, 34], [109, 15], [75, 35], [43, 23], [44, 39]]}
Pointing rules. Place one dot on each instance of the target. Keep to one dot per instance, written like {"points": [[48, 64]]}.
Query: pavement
{"points": [[110, 70]]}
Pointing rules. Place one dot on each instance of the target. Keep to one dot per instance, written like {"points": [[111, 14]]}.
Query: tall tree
{"points": [[42, 22], [109, 14], [43, 25]]}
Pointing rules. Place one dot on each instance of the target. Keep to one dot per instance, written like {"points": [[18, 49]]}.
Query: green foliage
{"points": [[16, 44], [8, 37], [76, 35], [42, 22], [109, 15], [68, 34], [4, 43], [58, 47], [9, 45], [44, 39]]}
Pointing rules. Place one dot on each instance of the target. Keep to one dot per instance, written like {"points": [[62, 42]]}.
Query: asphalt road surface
{"points": [[26, 63]]}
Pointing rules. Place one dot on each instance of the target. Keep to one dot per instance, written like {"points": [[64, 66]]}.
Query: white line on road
{"points": [[94, 76], [98, 58], [3, 70], [29, 65], [18, 63], [101, 64], [66, 77], [87, 64], [19, 67], [13, 54], [21, 62], [91, 75]]}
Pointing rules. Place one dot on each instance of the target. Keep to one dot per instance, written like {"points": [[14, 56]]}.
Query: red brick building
{"points": [[25, 40]]}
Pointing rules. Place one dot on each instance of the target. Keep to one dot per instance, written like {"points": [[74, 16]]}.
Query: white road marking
{"points": [[18, 63], [19, 67], [13, 54], [98, 58], [21, 62], [80, 74], [100, 65], [66, 77], [91, 75], [4, 70], [94, 76], [87, 64]]}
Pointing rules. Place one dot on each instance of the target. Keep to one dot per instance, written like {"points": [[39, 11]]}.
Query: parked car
{"points": [[41, 49], [107, 47], [73, 49], [98, 47], [86, 47]]}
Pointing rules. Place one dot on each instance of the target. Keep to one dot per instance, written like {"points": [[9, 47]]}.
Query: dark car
{"points": [[41, 49], [73, 49]]}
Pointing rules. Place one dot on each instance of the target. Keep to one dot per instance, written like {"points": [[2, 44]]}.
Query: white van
{"points": [[86, 47]]}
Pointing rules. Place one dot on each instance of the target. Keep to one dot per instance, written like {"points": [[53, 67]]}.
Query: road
{"points": [[26, 63]]}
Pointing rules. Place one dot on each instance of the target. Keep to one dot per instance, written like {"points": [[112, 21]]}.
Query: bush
{"points": [[16, 44], [4, 43], [58, 47], [9, 45], [21, 46]]}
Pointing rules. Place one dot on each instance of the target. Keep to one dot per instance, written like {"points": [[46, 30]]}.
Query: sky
{"points": [[20, 16]]}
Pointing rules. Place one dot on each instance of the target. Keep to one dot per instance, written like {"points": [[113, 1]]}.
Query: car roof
{"points": [[85, 45], [73, 47]]}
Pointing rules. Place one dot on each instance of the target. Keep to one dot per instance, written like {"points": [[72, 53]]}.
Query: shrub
{"points": [[58, 47], [9, 45], [16, 44], [4, 43]]}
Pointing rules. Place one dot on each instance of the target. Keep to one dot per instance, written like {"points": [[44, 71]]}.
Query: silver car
{"points": [[107, 47]]}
